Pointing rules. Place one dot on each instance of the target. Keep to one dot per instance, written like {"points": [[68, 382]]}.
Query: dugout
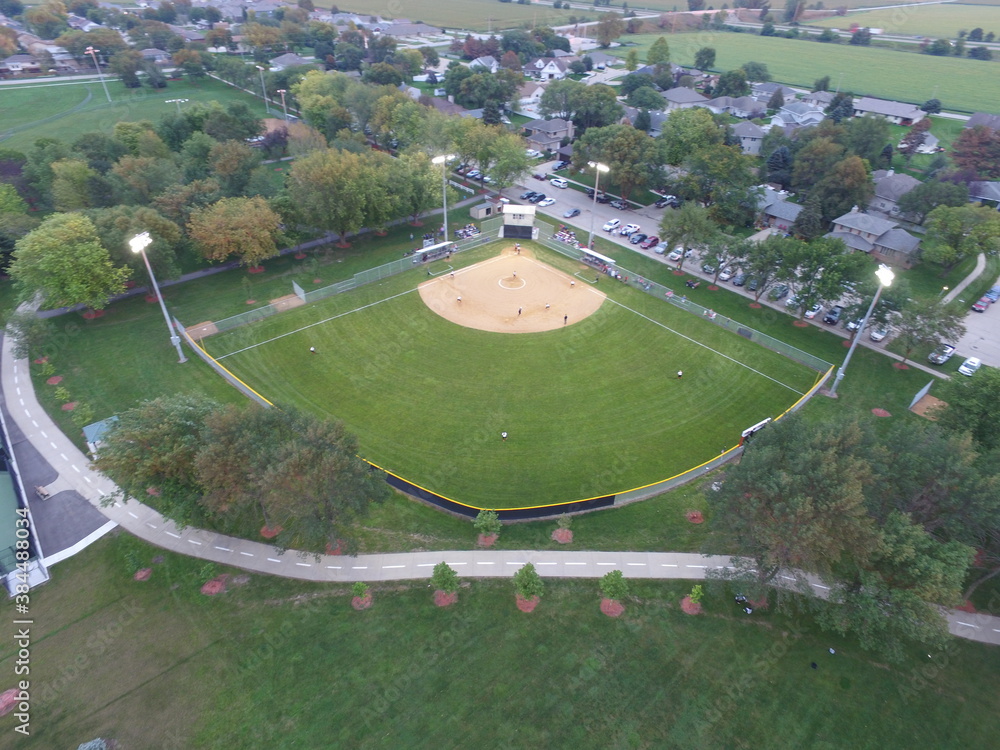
{"points": [[596, 259], [433, 252]]}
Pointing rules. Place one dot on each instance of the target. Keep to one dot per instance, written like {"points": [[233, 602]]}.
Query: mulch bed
{"points": [[216, 586], [967, 607], [8, 701], [695, 516], [362, 602], [689, 607], [70, 406], [846, 344], [251, 302], [678, 273], [487, 540], [755, 305], [800, 324], [563, 536], [612, 607], [143, 575], [317, 281], [526, 605], [900, 366], [713, 288], [444, 599], [153, 491], [91, 314], [41, 360], [55, 380], [881, 413], [269, 533], [299, 256], [256, 269]]}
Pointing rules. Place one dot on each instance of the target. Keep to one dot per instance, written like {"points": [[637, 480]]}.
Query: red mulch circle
{"points": [[362, 602], [269, 533], [900, 366], [331, 550], [91, 314], [689, 607], [713, 288], [55, 380], [151, 299], [41, 360], [416, 223], [695, 516], [755, 305], [70, 406], [800, 324], [251, 302], [678, 273], [317, 281], [563, 536], [216, 586], [300, 256], [444, 599], [343, 245], [526, 605], [487, 540], [759, 603], [143, 575], [255, 269], [967, 607], [8, 701], [612, 607], [153, 491], [881, 413], [846, 343]]}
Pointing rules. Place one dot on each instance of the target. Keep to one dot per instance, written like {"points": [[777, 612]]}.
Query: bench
{"points": [[42, 493]]}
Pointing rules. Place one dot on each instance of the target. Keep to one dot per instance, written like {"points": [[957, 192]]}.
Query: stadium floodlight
{"points": [[885, 277], [93, 53], [139, 243], [178, 102], [598, 168], [263, 89], [443, 161]]}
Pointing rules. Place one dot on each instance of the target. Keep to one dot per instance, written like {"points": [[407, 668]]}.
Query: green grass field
{"points": [[935, 21], [960, 84], [282, 664], [65, 110], [591, 409], [477, 15]]}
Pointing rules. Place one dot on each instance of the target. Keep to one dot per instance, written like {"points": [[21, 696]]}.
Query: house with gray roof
{"points": [[763, 92], [889, 188], [656, 120], [289, 60], [878, 237], [487, 63], [681, 97], [750, 135], [775, 209], [898, 113], [547, 135], [744, 107], [983, 118], [987, 192], [400, 28], [798, 115]]}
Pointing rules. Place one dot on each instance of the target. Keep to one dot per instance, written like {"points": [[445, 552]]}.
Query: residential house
{"points": [[400, 29], [744, 107], [798, 114], [547, 69], [889, 188], [530, 94], [656, 120], [898, 113], [985, 192], [80, 23], [930, 145], [442, 105], [763, 92], [487, 63], [548, 135], [776, 211], [818, 98], [603, 58], [289, 60], [155, 56], [19, 65], [983, 118], [681, 97], [878, 237], [750, 135], [411, 91], [188, 35]]}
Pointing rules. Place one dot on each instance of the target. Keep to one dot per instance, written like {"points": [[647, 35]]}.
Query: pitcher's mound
{"points": [[512, 294]]}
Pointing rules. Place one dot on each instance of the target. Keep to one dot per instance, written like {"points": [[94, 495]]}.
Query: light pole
{"points": [[885, 277], [598, 168], [263, 91], [283, 107], [93, 53], [178, 102], [944, 290], [139, 243], [443, 161]]}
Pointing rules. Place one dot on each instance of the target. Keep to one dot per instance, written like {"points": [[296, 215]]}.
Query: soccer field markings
{"points": [[706, 346]]}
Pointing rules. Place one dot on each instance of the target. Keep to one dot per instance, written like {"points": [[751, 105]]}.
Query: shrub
{"points": [[360, 589], [63, 395], [527, 582], [614, 586], [697, 594], [488, 523], [444, 578], [564, 522]]}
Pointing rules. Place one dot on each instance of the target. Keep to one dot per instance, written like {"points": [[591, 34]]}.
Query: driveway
{"points": [[982, 337]]}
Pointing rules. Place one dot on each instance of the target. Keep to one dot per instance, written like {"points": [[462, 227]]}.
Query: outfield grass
{"points": [[477, 15], [972, 85], [591, 408], [282, 664], [67, 109], [935, 21]]}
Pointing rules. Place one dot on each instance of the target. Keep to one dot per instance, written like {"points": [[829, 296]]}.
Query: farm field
{"points": [[973, 85], [593, 408], [284, 664], [67, 109], [935, 21], [667, 6], [477, 15]]}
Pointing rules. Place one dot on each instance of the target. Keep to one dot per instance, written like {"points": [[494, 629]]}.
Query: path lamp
{"points": [[885, 277], [443, 161], [598, 168], [178, 102], [93, 53], [283, 107], [139, 243], [263, 91]]}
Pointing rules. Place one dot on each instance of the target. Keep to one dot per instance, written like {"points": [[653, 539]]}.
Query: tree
{"points": [[64, 260], [817, 271], [841, 107], [755, 71], [527, 583], [931, 106], [765, 262], [767, 29], [971, 407], [488, 523], [614, 586], [635, 81], [848, 184], [689, 226], [927, 196], [814, 161], [955, 233], [659, 53], [595, 106], [732, 83], [232, 162], [862, 37], [687, 131], [245, 227], [723, 177], [510, 163], [821, 84], [634, 157], [977, 149], [926, 324], [47, 20], [324, 185], [631, 60], [608, 28], [779, 166], [979, 53], [646, 99], [809, 224], [444, 578], [116, 225], [777, 100], [559, 99], [866, 136], [940, 47], [71, 186], [704, 58], [126, 65], [382, 74]]}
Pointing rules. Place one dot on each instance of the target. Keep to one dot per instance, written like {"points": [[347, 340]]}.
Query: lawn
{"points": [[972, 85], [283, 664], [588, 406], [935, 21], [476, 15], [65, 110]]}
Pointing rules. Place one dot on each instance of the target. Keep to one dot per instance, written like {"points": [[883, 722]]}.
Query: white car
{"points": [[815, 310], [628, 230], [878, 333], [677, 251], [612, 225], [970, 366], [727, 274], [559, 182], [532, 154], [547, 202]]}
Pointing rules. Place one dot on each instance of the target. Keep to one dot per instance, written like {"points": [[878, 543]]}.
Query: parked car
{"points": [[612, 225], [603, 198], [739, 279], [665, 201], [532, 154], [571, 213], [473, 174], [779, 292], [539, 197], [660, 249], [813, 311], [878, 333], [970, 366], [708, 267], [649, 242], [538, 176], [547, 202], [637, 238], [993, 294], [727, 273], [753, 284], [792, 301], [981, 304], [833, 317], [629, 229], [620, 205], [853, 325], [941, 355], [559, 165], [558, 182], [528, 195]]}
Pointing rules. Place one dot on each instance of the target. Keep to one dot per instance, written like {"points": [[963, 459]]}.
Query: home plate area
{"points": [[512, 293]]}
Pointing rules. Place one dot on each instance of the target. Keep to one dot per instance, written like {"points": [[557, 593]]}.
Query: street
{"points": [[982, 337]]}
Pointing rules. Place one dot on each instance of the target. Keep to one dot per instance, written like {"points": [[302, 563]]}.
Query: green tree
{"points": [[765, 262], [687, 131], [488, 523], [939, 47], [116, 225], [704, 58], [631, 60], [444, 578], [126, 65], [777, 100], [71, 186], [324, 187], [924, 324], [595, 106], [232, 162], [608, 28], [809, 224], [866, 136], [732, 83], [755, 71], [64, 260], [816, 271], [659, 53], [971, 407], [560, 99], [510, 163], [955, 233], [245, 227], [927, 196], [528, 583], [848, 184], [614, 586], [821, 84], [690, 226], [634, 158], [723, 178], [814, 161], [976, 150]]}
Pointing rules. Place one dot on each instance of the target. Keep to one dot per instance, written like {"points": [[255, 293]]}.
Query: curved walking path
{"points": [[973, 275], [76, 475]]}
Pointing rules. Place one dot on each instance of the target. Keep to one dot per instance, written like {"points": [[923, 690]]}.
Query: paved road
{"points": [[982, 335]]}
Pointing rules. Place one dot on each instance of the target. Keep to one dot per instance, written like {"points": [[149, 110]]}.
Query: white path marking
{"points": [[668, 565], [695, 566], [34, 423], [304, 565], [224, 549], [132, 514], [192, 541], [248, 554], [64, 458], [516, 563], [788, 578], [642, 564], [479, 562], [458, 563], [611, 564], [73, 466], [42, 433], [333, 567], [967, 624], [87, 480], [175, 536], [393, 566], [426, 565], [271, 559], [151, 525], [820, 586]]}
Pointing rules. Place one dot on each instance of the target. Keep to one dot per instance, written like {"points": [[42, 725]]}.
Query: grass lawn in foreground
{"points": [[281, 664], [592, 409]]}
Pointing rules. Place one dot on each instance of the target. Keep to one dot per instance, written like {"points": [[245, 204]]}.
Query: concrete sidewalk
{"points": [[960, 287]]}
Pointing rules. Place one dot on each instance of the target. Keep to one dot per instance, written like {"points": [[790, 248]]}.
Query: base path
{"points": [[75, 473]]}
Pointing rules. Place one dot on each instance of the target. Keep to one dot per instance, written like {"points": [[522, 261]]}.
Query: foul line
{"points": [[705, 346], [318, 323]]}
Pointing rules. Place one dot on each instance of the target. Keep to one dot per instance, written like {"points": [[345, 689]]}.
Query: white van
{"points": [[558, 182]]}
